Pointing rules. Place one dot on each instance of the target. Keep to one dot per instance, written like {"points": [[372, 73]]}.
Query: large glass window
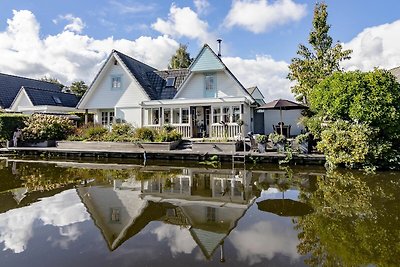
{"points": [[153, 116], [216, 115], [175, 115], [167, 115], [185, 115], [235, 113], [226, 114]]}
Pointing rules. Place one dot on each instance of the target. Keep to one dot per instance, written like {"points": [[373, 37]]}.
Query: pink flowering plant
{"points": [[40, 127]]}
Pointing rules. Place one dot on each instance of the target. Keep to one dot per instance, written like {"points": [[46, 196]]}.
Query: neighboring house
{"points": [[396, 73], [205, 100], [28, 95], [34, 100]]}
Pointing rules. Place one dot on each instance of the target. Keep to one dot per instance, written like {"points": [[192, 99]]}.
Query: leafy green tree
{"points": [[181, 59], [78, 88], [361, 114], [53, 80], [319, 61], [355, 220]]}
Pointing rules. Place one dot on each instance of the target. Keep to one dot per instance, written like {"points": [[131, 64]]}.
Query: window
{"points": [[153, 116], [57, 100], [116, 82], [210, 82], [167, 116], [226, 114], [115, 216], [216, 115], [185, 115], [107, 118], [170, 81], [235, 113], [175, 115]]}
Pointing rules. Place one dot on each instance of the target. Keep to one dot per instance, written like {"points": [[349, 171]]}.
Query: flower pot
{"points": [[261, 147]]}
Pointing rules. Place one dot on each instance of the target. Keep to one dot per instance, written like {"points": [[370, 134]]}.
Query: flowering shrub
{"points": [[41, 127], [168, 136]]}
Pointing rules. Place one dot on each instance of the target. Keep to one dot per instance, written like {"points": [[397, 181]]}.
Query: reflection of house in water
{"points": [[207, 202]]}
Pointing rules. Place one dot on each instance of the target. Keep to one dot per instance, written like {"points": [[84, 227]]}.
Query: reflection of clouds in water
{"points": [[68, 234], [61, 210], [264, 240], [179, 239]]}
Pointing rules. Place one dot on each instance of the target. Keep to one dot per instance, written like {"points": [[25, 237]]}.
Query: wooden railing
{"points": [[229, 131]]}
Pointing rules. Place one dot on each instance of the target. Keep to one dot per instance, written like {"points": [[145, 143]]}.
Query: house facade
{"points": [[21, 94], [205, 100]]}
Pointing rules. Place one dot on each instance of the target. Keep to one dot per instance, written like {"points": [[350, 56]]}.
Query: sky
{"points": [[70, 39]]}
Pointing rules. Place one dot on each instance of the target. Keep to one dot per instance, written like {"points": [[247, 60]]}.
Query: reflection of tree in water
{"points": [[356, 221]]}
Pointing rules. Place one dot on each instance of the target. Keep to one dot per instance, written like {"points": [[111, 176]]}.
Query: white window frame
{"points": [[116, 81]]}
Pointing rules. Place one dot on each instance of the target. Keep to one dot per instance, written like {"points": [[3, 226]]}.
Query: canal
{"points": [[121, 213]]}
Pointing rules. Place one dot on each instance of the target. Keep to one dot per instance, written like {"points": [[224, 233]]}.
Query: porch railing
{"points": [[225, 131], [185, 130]]}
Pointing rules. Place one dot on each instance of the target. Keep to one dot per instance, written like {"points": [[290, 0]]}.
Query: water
{"points": [[174, 214]]}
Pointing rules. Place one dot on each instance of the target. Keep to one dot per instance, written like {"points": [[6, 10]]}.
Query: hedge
{"points": [[9, 122]]}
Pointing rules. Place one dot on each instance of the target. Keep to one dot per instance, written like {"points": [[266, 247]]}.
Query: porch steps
{"points": [[185, 145]]}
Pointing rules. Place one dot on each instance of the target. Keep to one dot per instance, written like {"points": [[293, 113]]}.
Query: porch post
{"points": [[86, 116]]}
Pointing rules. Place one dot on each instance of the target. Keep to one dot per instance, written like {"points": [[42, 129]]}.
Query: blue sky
{"points": [[69, 39]]}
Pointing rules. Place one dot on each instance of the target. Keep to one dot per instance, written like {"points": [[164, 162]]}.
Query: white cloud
{"points": [[133, 8], [75, 24], [201, 6], [179, 239], [265, 240], [68, 55], [261, 16], [184, 22], [62, 210], [375, 47], [269, 75]]}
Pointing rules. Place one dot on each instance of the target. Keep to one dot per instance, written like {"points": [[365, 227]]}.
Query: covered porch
{"points": [[222, 118]]}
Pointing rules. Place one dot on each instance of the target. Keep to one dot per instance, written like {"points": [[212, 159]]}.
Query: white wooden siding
{"points": [[103, 96], [207, 61], [130, 115], [226, 86], [21, 101]]}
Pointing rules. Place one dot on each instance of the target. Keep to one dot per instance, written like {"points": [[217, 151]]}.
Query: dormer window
{"points": [[170, 81], [57, 100], [116, 82]]}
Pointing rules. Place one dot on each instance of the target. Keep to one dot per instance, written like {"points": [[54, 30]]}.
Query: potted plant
{"points": [[278, 141], [261, 141]]}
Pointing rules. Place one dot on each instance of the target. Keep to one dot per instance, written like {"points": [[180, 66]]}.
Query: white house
{"points": [[204, 100]]}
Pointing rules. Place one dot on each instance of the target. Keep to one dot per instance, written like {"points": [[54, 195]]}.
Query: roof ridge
{"points": [[134, 59], [26, 78], [47, 90]]}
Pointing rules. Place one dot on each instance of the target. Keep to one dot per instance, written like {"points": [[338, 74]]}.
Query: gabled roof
{"points": [[168, 92], [10, 86], [251, 89], [396, 73], [139, 70], [206, 47], [40, 97]]}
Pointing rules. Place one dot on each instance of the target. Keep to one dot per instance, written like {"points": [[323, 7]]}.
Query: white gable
{"points": [[257, 94], [103, 96], [22, 100], [206, 61]]}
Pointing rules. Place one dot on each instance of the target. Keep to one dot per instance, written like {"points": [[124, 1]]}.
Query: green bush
{"points": [[346, 143], [40, 127], [96, 132], [9, 123], [122, 129], [277, 138], [145, 134], [165, 136]]}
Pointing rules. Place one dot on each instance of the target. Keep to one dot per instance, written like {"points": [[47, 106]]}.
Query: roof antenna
{"points": [[219, 47]]}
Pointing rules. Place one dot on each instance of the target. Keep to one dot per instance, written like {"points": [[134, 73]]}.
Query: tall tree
{"points": [[53, 80], [78, 88], [181, 59], [321, 60]]}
